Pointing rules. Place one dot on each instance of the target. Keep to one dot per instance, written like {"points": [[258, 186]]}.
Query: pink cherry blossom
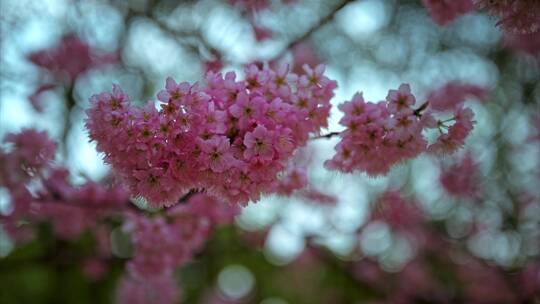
{"points": [[381, 135], [70, 57], [259, 144], [230, 137], [454, 139], [461, 179]]}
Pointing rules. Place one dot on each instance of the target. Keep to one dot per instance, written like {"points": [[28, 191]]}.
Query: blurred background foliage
{"points": [[286, 250]]}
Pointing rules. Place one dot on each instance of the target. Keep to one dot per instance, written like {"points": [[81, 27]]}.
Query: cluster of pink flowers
{"points": [[70, 58], [229, 137], [461, 179], [399, 213], [40, 191], [515, 16], [73, 210], [163, 243], [454, 138], [380, 135], [29, 153], [65, 61]]}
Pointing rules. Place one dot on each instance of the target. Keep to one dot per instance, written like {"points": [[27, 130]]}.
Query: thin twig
{"points": [[327, 136]]}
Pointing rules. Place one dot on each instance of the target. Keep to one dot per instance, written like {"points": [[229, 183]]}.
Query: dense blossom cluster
{"points": [[70, 58], [461, 179], [41, 192], [380, 135], [229, 137], [164, 243], [205, 149]]}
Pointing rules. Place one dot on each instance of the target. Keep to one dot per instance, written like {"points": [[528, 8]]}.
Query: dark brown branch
{"points": [[184, 199], [418, 112], [327, 136]]}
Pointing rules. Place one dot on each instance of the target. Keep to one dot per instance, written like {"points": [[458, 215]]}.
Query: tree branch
{"points": [[327, 136]]}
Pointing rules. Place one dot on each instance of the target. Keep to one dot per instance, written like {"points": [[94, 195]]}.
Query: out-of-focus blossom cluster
{"points": [[40, 191], [381, 135], [164, 243], [461, 179], [454, 93], [70, 58], [64, 62], [229, 137], [474, 280]]}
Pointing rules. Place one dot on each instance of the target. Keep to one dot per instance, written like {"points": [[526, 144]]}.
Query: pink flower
{"points": [[173, 91], [259, 144], [400, 100], [70, 58], [312, 76], [231, 137], [378, 135], [246, 110], [454, 139], [461, 179], [156, 185], [216, 153]]}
